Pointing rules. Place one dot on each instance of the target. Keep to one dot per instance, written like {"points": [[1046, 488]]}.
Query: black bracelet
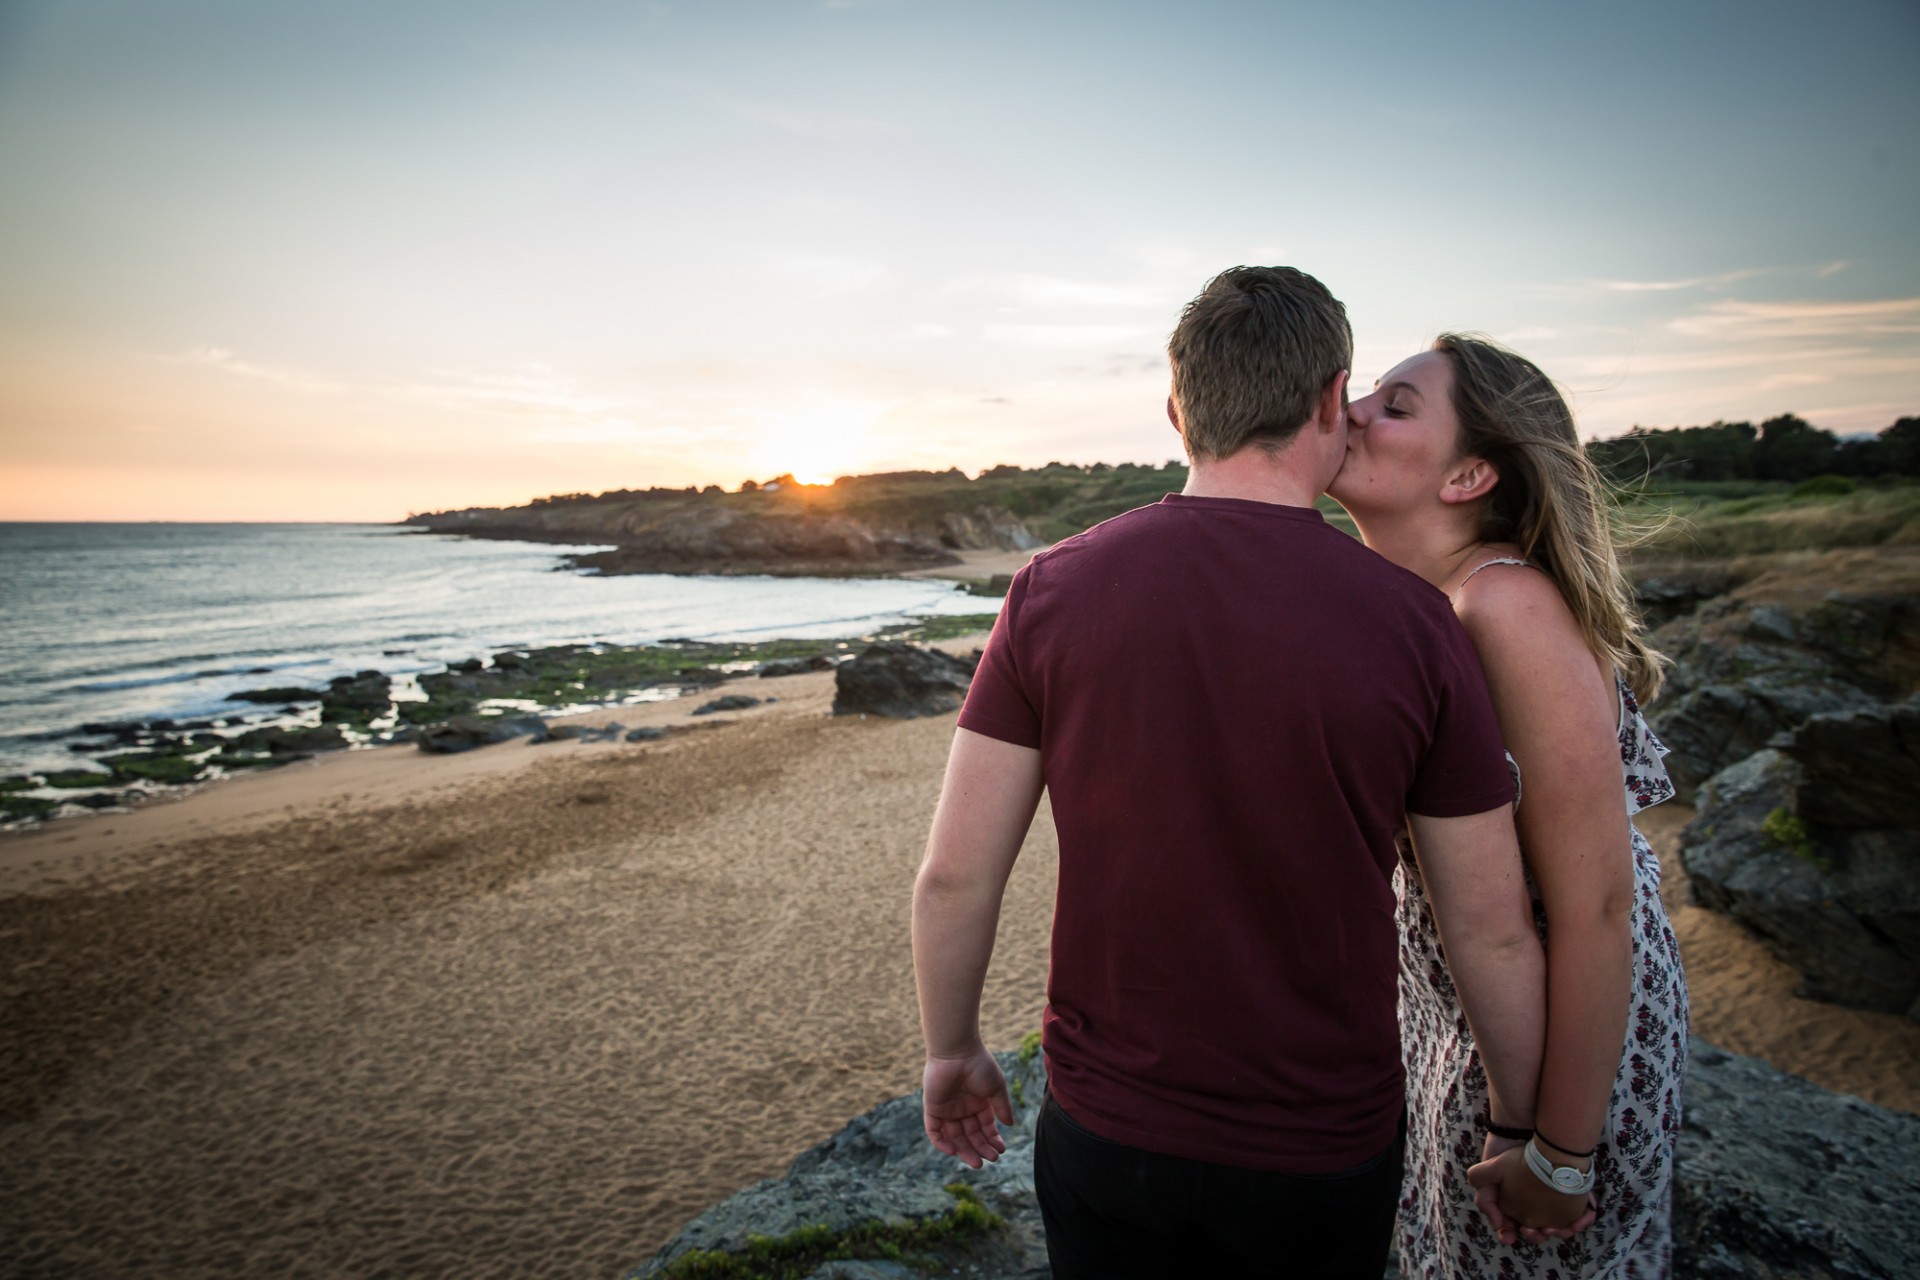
{"points": [[1513, 1133], [1577, 1155]]}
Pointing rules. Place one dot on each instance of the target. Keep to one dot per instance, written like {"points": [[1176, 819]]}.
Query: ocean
{"points": [[118, 622]]}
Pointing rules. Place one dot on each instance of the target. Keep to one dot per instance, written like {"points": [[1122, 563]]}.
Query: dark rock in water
{"points": [[283, 742], [120, 731], [464, 733], [509, 661], [356, 698], [98, 800], [154, 766], [703, 677], [731, 702], [1859, 769], [1776, 1178], [1841, 906], [900, 681], [795, 666], [646, 733], [283, 694], [469, 665], [1780, 1178], [72, 779], [90, 747]]}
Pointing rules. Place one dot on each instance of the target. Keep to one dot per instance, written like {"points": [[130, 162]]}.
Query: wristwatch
{"points": [[1562, 1178]]}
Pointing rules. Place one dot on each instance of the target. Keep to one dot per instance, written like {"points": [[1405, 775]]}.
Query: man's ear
{"points": [[1470, 480], [1173, 416], [1331, 411]]}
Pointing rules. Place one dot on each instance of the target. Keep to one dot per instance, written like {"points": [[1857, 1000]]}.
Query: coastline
{"points": [[139, 762], [528, 1009]]}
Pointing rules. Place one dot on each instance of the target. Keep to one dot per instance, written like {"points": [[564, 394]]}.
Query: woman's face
{"points": [[1402, 440]]}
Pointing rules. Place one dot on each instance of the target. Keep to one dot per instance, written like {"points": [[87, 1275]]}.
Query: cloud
{"points": [[929, 329], [1753, 320], [1690, 282], [226, 361]]}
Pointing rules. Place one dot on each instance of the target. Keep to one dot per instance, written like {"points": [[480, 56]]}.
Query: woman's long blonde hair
{"points": [[1551, 500]]}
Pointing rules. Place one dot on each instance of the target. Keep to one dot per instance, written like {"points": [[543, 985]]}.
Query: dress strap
{"points": [[1525, 564]]}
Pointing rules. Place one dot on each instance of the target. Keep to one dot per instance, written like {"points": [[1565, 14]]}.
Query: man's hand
{"points": [[963, 1098], [1518, 1204]]}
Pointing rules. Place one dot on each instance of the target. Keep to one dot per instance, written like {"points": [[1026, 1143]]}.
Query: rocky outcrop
{"points": [[357, 698], [882, 1169], [282, 741], [1781, 1178], [795, 666], [464, 733], [781, 529], [1813, 848], [727, 702], [1746, 670], [901, 681], [728, 541], [1776, 1178]]}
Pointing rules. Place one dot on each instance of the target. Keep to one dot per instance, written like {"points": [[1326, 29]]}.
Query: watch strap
{"points": [[1565, 1179]]}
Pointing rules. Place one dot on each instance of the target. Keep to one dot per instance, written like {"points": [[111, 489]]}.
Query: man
{"points": [[1233, 707]]}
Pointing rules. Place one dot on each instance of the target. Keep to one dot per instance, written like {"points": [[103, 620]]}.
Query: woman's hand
{"points": [[1519, 1205]]}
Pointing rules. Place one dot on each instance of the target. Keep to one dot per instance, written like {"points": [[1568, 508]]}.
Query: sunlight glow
{"points": [[816, 442]]}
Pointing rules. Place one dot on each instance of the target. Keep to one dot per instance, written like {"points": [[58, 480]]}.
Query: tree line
{"points": [[1783, 448]]}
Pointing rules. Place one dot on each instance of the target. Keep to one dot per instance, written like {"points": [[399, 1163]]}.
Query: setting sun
{"points": [[817, 442]]}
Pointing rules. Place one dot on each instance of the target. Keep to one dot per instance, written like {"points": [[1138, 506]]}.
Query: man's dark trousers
{"points": [[1113, 1210]]}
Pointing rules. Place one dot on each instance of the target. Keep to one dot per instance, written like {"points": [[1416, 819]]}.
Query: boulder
{"points": [[1781, 1178], [795, 666], [586, 732], [881, 1168], [1860, 769], [1776, 1178], [283, 742], [1746, 671], [900, 681], [464, 733], [646, 733], [1840, 905], [357, 697], [729, 702]]}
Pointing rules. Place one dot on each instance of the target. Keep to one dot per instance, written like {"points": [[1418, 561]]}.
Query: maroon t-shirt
{"points": [[1235, 706]]}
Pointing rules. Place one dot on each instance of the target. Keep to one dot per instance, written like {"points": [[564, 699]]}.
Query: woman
{"points": [[1463, 466]]}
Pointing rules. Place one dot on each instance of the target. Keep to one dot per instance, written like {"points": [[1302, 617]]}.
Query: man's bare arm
{"points": [[1471, 869], [986, 806]]}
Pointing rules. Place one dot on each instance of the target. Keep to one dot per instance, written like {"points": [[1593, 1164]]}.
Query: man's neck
{"points": [[1255, 475]]}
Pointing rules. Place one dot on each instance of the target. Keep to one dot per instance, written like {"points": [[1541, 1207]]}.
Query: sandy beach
{"points": [[524, 1011]]}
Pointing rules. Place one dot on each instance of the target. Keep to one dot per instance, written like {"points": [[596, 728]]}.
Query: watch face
{"points": [[1569, 1180]]}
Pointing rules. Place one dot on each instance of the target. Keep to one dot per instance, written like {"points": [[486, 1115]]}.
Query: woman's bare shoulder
{"points": [[1517, 608]]}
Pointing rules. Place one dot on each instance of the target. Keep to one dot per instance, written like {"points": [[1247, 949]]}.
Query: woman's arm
{"points": [[1558, 711]]}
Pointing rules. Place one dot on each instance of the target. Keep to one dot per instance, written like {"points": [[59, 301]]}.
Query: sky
{"points": [[266, 260]]}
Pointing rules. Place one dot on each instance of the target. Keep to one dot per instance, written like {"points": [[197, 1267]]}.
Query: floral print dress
{"points": [[1442, 1233]]}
